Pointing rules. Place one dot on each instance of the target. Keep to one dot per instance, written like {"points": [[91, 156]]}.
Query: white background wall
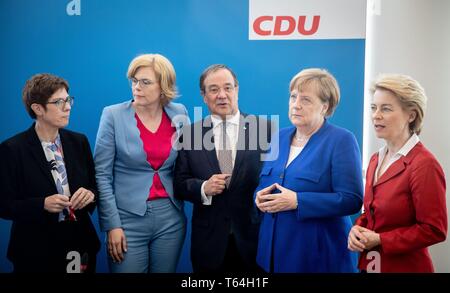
{"points": [[413, 37]]}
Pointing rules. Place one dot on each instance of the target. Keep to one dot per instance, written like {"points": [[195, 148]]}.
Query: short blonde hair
{"points": [[164, 71], [327, 88], [409, 93]]}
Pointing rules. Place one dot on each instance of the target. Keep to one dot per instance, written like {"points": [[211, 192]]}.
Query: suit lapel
{"points": [[368, 196], [241, 147], [177, 119], [396, 168], [38, 153], [371, 170], [129, 130], [207, 128]]}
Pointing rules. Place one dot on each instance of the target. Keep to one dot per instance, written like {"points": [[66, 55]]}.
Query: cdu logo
{"points": [[306, 19]]}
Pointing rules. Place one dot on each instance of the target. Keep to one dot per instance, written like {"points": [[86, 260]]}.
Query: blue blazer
{"points": [[327, 177], [124, 176]]}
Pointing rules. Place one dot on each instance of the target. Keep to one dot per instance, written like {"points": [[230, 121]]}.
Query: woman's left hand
{"points": [[81, 198], [277, 202], [373, 239]]}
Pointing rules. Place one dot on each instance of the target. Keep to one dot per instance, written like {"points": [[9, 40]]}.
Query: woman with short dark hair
{"points": [[48, 185]]}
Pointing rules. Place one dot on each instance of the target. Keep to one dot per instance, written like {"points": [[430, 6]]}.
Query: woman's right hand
{"points": [[356, 238], [56, 203], [259, 199], [117, 244]]}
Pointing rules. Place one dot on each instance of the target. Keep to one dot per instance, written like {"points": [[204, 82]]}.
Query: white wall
{"points": [[413, 37]]}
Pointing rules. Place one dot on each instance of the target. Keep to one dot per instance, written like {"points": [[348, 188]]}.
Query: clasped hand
{"points": [[57, 202], [360, 239], [269, 202]]}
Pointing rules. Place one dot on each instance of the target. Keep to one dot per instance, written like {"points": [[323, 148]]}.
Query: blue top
{"points": [[124, 176], [327, 177]]}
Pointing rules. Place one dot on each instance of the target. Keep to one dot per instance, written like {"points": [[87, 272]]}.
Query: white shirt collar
{"points": [[216, 120], [404, 150]]}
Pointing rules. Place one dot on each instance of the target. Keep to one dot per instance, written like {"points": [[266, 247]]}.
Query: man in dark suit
{"points": [[217, 170], [48, 185]]}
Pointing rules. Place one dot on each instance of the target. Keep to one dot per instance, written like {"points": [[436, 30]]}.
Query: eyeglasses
{"points": [[214, 90], [142, 82], [61, 103]]}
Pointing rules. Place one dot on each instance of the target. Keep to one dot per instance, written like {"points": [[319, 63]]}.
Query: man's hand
{"points": [[216, 184]]}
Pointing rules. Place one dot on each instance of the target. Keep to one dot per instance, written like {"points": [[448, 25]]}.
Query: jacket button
{"points": [[371, 210], [281, 175]]}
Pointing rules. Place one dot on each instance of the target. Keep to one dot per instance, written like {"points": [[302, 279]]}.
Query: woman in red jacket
{"points": [[404, 202]]}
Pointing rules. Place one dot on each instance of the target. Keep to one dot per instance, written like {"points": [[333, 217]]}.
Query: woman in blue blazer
{"points": [[134, 162], [308, 192]]}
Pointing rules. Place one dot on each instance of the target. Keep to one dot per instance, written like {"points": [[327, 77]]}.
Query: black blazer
{"points": [[233, 209], [37, 240]]}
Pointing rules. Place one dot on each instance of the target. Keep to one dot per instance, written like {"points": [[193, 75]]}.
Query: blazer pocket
{"points": [[308, 175], [266, 170]]}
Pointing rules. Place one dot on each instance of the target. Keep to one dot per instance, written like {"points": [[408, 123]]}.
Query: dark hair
{"points": [[214, 68], [39, 88]]}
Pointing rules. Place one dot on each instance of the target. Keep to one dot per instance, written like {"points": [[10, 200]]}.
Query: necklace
{"points": [[301, 139]]}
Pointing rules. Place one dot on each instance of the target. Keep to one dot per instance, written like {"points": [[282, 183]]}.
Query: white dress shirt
{"points": [[406, 148], [233, 134], [293, 153]]}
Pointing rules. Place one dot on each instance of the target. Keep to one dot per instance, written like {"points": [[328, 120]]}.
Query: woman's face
{"points": [[390, 120], [305, 107], [145, 86], [54, 116]]}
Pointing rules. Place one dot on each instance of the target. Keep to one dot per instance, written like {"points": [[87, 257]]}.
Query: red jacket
{"points": [[407, 208]]}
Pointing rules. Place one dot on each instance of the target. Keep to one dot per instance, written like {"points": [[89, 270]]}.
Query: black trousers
{"points": [[232, 263], [55, 258]]}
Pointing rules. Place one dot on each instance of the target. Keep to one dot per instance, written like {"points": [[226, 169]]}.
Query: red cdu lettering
{"points": [[278, 22], [289, 23], [314, 27], [257, 25]]}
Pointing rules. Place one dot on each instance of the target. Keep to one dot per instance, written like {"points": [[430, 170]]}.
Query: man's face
{"points": [[221, 93]]}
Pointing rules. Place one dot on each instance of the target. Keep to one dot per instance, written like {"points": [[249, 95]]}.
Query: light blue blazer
{"points": [[124, 176]]}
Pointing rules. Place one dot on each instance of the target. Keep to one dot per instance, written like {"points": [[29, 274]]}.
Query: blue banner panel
{"points": [[91, 42]]}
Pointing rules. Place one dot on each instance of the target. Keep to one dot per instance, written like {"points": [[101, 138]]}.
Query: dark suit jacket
{"points": [[234, 208], [37, 240]]}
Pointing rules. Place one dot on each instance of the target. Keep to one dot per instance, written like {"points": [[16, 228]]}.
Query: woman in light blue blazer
{"points": [[134, 161], [309, 191]]}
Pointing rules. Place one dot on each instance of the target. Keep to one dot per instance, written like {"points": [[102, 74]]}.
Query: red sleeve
{"points": [[427, 185], [361, 220]]}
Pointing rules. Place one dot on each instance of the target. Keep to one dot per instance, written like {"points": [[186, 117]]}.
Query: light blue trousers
{"points": [[154, 240]]}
